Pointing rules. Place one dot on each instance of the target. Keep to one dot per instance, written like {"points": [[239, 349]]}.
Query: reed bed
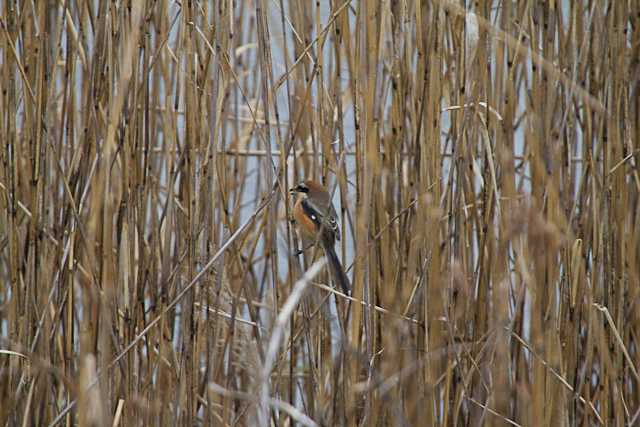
{"points": [[484, 159]]}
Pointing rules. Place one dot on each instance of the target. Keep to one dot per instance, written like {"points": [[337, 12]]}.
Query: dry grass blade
{"points": [[278, 332]]}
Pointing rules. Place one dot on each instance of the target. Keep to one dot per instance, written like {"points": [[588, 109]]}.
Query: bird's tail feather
{"points": [[337, 272]]}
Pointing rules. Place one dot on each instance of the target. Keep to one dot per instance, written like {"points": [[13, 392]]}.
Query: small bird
{"points": [[316, 217]]}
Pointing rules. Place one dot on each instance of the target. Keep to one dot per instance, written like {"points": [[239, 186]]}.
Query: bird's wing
{"points": [[323, 220]]}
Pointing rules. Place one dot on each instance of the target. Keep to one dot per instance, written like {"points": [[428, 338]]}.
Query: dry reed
{"points": [[486, 170]]}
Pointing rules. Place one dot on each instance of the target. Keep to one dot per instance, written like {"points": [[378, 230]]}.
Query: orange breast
{"points": [[306, 224]]}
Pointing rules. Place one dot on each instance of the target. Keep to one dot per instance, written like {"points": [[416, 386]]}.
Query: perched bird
{"points": [[316, 217]]}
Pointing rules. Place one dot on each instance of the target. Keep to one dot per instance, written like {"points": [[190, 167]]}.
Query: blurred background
{"points": [[483, 159]]}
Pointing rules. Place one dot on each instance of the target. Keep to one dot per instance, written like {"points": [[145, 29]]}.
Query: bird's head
{"points": [[302, 187]]}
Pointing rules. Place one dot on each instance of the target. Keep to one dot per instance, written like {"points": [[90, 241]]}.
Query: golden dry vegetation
{"points": [[486, 168]]}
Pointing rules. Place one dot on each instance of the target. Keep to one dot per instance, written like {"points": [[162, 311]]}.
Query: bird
{"points": [[316, 218]]}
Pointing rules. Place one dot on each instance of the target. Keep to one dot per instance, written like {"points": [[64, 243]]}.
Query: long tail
{"points": [[337, 272]]}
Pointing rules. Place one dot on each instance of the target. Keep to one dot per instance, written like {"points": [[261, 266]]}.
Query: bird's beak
{"points": [[293, 190]]}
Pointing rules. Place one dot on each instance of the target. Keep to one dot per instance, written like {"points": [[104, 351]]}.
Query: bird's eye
{"points": [[302, 188]]}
